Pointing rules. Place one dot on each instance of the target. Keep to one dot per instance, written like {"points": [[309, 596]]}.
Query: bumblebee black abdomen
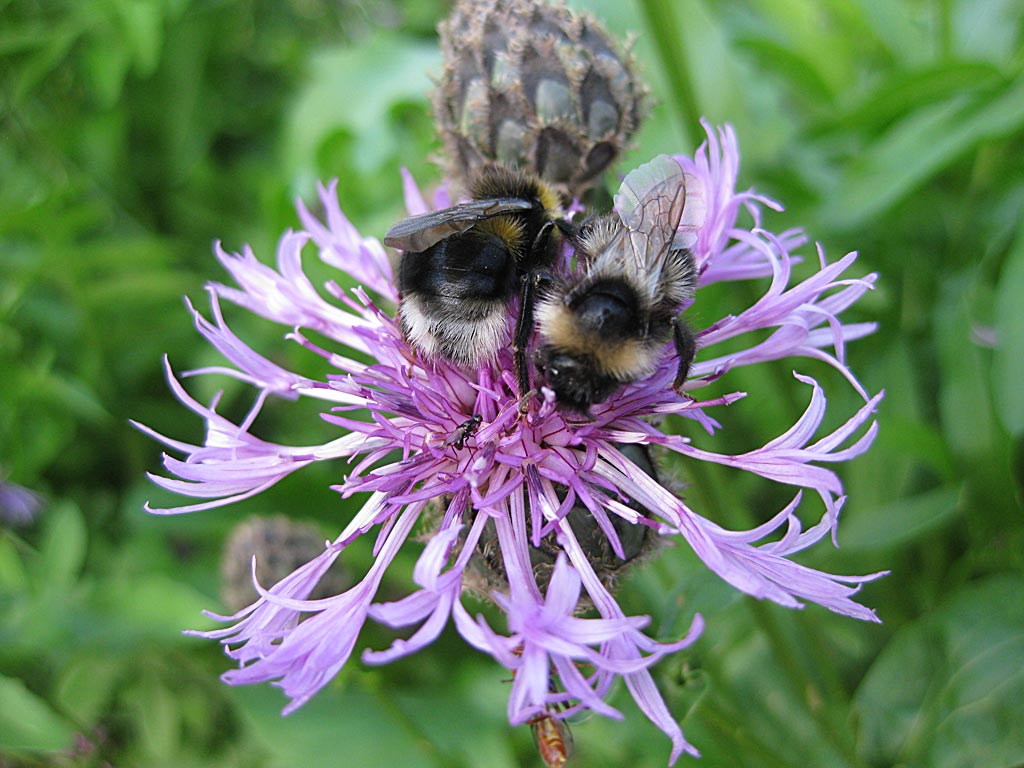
{"points": [[487, 273], [455, 296], [577, 379], [607, 310], [468, 266], [463, 268]]}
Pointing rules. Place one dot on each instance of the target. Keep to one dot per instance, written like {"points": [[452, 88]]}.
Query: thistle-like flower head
{"points": [[536, 85], [446, 457]]}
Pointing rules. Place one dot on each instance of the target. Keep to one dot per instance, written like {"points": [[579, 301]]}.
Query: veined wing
{"points": [[650, 205], [418, 233]]}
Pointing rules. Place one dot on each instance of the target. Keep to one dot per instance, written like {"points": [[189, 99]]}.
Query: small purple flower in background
{"points": [[19, 506], [448, 453]]}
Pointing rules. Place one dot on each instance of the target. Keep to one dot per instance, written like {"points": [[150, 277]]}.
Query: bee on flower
{"points": [[529, 507]]}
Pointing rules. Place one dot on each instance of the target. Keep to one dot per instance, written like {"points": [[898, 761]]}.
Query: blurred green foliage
{"points": [[134, 132]]}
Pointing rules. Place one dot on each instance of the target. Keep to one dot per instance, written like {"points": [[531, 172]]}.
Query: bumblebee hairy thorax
{"points": [[606, 324], [463, 268]]}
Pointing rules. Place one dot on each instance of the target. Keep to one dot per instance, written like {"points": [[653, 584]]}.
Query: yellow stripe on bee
{"points": [[508, 229], [627, 359], [550, 199]]}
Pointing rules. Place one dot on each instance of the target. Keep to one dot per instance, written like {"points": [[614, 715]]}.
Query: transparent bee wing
{"points": [[418, 233], [694, 214], [650, 205]]}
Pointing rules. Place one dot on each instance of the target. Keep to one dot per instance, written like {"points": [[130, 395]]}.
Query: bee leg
{"points": [[569, 230], [524, 401], [524, 323], [539, 283], [524, 329], [686, 349]]}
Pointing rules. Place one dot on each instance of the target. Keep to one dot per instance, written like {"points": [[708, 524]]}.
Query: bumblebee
{"points": [[606, 325], [463, 267]]}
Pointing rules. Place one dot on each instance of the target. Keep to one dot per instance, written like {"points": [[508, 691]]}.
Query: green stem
{"points": [[660, 17], [727, 724], [945, 27], [832, 728]]}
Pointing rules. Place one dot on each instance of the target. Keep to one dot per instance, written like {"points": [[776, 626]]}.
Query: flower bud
{"points": [[535, 85], [280, 545]]}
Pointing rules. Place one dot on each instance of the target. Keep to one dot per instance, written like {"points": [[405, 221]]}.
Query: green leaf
{"points": [[142, 21], [906, 31], [902, 521], [107, 62], [918, 147], [1008, 356], [13, 576], [50, 45], [989, 30], [905, 91], [62, 550], [86, 685], [974, 433], [27, 722], [664, 29], [479, 735], [156, 717], [364, 724], [946, 691], [156, 605], [792, 68], [355, 89]]}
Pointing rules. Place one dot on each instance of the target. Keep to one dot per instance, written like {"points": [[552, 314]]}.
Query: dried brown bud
{"points": [[536, 85], [280, 546], [639, 542]]}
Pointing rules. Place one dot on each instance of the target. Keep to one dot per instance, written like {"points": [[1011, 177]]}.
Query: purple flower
{"points": [[514, 480], [18, 505]]}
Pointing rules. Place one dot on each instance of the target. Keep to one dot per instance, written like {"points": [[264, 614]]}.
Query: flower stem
{"points": [[805, 687], [660, 17], [724, 720]]}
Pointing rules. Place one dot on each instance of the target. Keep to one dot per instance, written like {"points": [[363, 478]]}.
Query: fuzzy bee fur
{"points": [[607, 323], [463, 267]]}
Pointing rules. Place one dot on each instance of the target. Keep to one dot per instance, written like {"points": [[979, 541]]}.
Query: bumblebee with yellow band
{"points": [[463, 267]]}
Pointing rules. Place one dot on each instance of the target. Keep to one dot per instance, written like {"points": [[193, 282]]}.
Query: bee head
{"points": [[574, 378]]}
